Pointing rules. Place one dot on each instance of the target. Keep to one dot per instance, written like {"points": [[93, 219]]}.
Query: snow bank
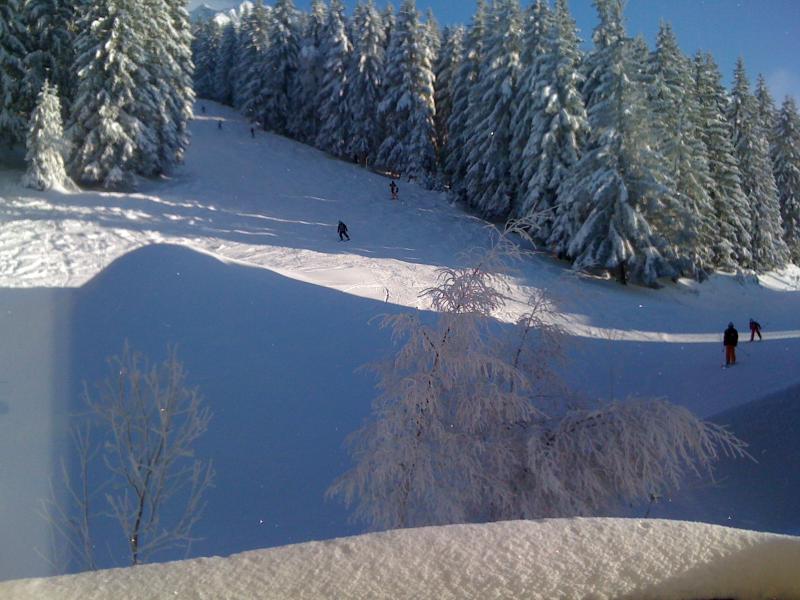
{"points": [[557, 558]]}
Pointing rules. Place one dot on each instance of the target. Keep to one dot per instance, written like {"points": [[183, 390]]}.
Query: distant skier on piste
{"points": [[730, 339], [394, 189], [755, 330], [342, 230]]}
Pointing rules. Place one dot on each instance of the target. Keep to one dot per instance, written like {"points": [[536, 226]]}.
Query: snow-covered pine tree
{"points": [[50, 37], [226, 65], [256, 41], [334, 115], [758, 181], [105, 132], [364, 73], [559, 125], [536, 23], [460, 433], [766, 109], [487, 182], [450, 57], [45, 143], [692, 229], [731, 209], [205, 50], [304, 122], [241, 43], [607, 199], [280, 67], [13, 115], [433, 36], [455, 164], [787, 173], [407, 109], [389, 19]]}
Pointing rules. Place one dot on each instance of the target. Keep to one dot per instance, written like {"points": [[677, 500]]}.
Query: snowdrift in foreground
{"points": [[555, 558]]}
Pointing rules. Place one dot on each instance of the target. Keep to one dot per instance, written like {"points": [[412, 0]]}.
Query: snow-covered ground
{"points": [[558, 558], [236, 260]]}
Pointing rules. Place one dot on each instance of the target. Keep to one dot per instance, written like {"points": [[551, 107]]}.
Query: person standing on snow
{"points": [[342, 230], [394, 189], [755, 329], [730, 339]]}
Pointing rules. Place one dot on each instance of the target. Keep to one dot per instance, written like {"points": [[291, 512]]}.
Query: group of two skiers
{"points": [[730, 339], [341, 229]]}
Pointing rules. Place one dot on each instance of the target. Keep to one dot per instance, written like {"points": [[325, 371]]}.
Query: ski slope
{"points": [[236, 260]]}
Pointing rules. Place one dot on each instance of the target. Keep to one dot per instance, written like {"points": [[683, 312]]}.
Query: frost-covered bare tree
{"points": [[465, 428], [144, 465]]}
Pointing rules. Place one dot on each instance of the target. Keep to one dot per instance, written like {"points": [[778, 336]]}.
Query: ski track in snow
{"points": [[251, 202]]}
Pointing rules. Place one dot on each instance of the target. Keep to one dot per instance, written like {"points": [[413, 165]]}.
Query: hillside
{"points": [[236, 260]]}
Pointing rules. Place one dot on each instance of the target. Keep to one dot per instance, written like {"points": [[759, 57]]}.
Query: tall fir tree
{"points": [[280, 67], [407, 109], [536, 23], [305, 122], [605, 202], [732, 244], [226, 65], [13, 115], [45, 143], [450, 57], [104, 129], [335, 123], [758, 181], [181, 92], [365, 72], [254, 48], [691, 229], [559, 124], [488, 182], [787, 173], [205, 49], [455, 165]]}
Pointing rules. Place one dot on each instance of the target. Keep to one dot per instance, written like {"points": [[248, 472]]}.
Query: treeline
{"points": [[623, 158], [119, 75]]}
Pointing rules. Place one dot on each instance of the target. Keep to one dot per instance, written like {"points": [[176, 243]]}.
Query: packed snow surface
{"points": [[557, 558], [236, 260]]}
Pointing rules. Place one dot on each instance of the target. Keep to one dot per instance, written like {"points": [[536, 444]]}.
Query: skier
{"points": [[342, 230], [252, 132], [394, 189], [730, 338], [755, 329], [219, 124], [203, 108]]}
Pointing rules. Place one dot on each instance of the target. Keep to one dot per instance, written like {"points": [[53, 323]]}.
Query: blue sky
{"points": [[765, 32]]}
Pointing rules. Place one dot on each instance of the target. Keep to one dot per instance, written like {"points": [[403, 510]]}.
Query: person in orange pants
{"points": [[730, 338]]}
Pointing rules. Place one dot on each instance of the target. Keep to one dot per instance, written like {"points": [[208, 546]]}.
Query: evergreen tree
{"points": [[450, 57], [488, 182], [766, 109], [256, 41], [13, 114], [364, 80], [280, 67], [787, 174], [732, 244], [605, 202], [45, 142], [537, 22], [559, 126], [455, 165], [407, 108], [205, 50], [49, 40], [758, 182], [335, 124], [692, 229], [311, 71], [104, 129], [226, 64], [180, 91]]}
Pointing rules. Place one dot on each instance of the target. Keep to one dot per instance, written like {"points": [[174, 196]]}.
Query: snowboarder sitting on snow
{"points": [[342, 230], [755, 329], [394, 189], [730, 339]]}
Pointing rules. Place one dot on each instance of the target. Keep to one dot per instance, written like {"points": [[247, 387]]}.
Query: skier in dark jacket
{"points": [[393, 189], [730, 339], [342, 230], [755, 330]]}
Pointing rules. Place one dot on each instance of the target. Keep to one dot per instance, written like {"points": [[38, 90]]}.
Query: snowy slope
{"points": [[559, 558], [236, 260]]}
